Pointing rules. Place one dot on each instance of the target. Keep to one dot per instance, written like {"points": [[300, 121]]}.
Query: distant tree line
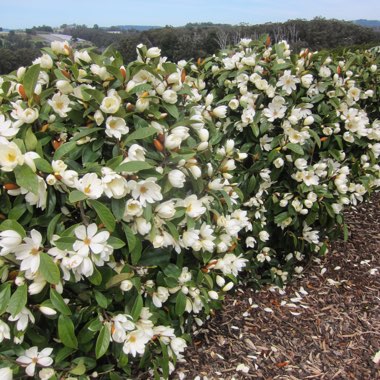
{"points": [[193, 40]]}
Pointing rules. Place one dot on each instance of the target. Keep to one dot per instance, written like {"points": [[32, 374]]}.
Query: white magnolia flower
{"points": [[59, 47], [46, 373], [60, 104], [135, 343], [194, 207], [6, 373], [82, 56], [10, 155], [153, 52], [170, 96], [116, 127], [45, 61], [220, 112], [29, 252], [147, 191], [90, 185], [7, 129], [90, 240], [136, 153], [114, 185], [288, 82], [32, 357], [165, 210], [160, 296], [122, 323], [9, 241], [177, 178], [22, 318], [5, 332], [111, 103], [178, 346], [27, 115]]}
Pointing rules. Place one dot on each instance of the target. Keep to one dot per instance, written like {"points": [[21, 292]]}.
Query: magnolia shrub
{"points": [[133, 195]]}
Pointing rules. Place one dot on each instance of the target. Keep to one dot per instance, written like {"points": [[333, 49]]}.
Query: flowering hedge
{"points": [[133, 196]]}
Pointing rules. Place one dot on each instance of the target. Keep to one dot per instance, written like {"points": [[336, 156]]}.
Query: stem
{"points": [[82, 213]]}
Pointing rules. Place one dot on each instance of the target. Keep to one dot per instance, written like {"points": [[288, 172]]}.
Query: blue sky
{"points": [[27, 13]]}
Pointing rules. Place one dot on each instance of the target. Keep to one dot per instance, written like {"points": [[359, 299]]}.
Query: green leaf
{"points": [[26, 178], [141, 133], [18, 300], [140, 88], [180, 303], [137, 306], [65, 243], [43, 165], [172, 109], [17, 211], [131, 239], [79, 369], [64, 149], [30, 80], [133, 167], [103, 341], [52, 225], [115, 243], [66, 332], [76, 196], [96, 277], [49, 269], [295, 148], [58, 302], [105, 215], [30, 139], [136, 252], [10, 224], [5, 296], [85, 132], [154, 257], [101, 299]]}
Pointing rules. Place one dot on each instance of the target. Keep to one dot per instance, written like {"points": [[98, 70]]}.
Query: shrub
{"points": [[134, 196]]}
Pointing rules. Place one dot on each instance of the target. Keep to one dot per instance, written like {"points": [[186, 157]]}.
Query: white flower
{"points": [[32, 357], [7, 130], [5, 332], [177, 178], [10, 156], [178, 346], [60, 104], [160, 296], [132, 208], [307, 80], [135, 343], [64, 87], [170, 96], [46, 373], [47, 310], [89, 239], [29, 252], [59, 47], [220, 112], [147, 191], [82, 56], [111, 103], [153, 52], [27, 116], [6, 373], [165, 210], [126, 285], [288, 82], [193, 205], [90, 185], [143, 227], [22, 318], [45, 61], [116, 127], [121, 324], [278, 162], [114, 185], [9, 241], [98, 117], [136, 153]]}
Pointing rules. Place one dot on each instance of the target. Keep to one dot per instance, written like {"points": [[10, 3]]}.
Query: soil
{"points": [[324, 325]]}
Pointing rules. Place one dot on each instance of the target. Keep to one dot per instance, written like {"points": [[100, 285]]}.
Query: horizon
{"points": [[179, 13]]}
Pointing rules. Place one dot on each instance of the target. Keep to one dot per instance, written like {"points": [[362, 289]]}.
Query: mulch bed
{"points": [[324, 325]]}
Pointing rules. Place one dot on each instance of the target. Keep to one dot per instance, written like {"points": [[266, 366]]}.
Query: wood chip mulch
{"points": [[323, 325]]}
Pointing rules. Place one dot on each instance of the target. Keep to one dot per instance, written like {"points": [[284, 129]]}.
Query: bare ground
{"points": [[323, 325]]}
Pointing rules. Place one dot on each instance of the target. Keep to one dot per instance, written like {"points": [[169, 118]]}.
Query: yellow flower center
{"points": [[132, 339], [35, 251], [143, 189], [87, 189], [87, 241], [59, 105], [11, 157]]}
